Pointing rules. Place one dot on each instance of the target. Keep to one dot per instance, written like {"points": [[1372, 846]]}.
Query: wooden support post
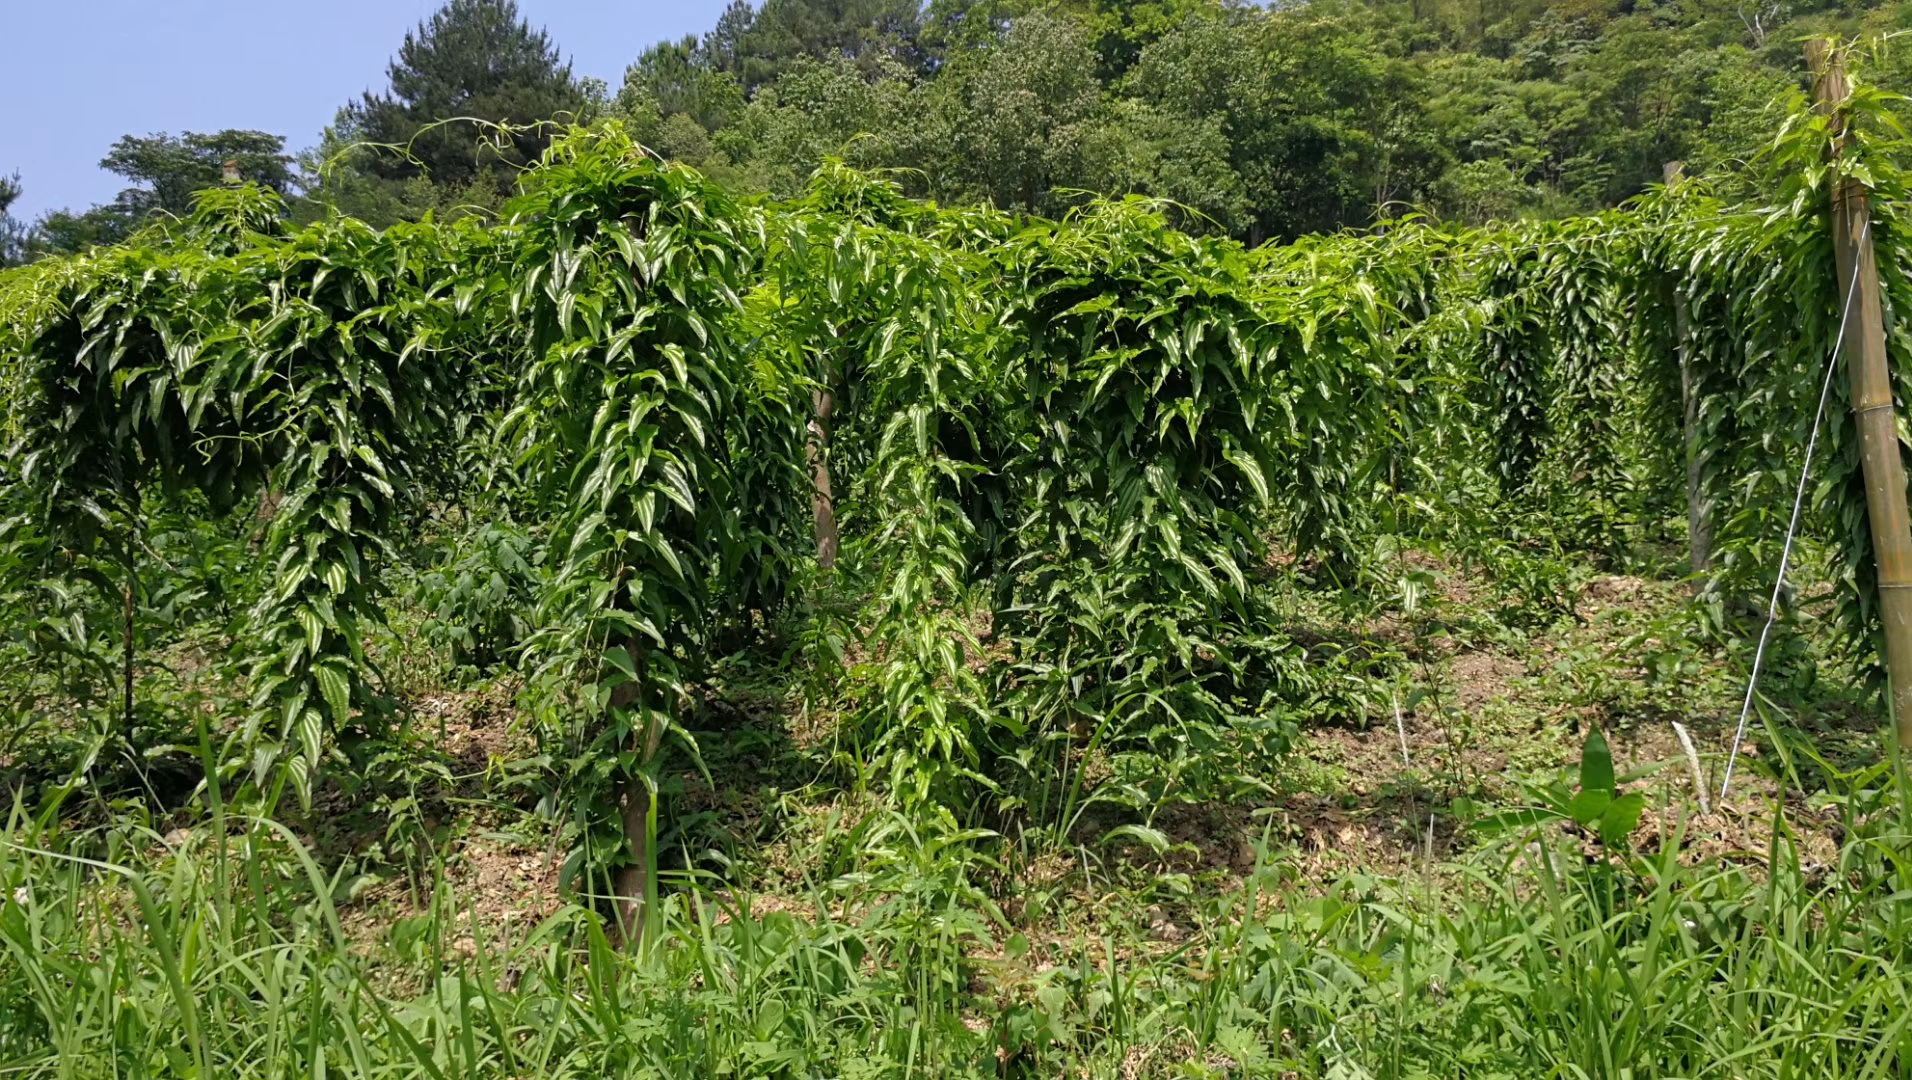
{"points": [[634, 885], [1699, 525], [822, 501], [1872, 407]]}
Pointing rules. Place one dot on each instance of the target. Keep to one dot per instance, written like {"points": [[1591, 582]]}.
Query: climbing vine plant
{"points": [[291, 376], [1057, 459]]}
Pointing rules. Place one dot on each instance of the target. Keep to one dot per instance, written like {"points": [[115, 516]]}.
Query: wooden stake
{"points": [[634, 885], [1699, 526], [822, 502], [1871, 377], [132, 576]]}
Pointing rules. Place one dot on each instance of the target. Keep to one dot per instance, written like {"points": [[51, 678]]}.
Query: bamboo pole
{"points": [[1870, 373], [1699, 525]]}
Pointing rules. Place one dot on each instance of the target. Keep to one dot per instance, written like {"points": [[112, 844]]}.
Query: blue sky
{"points": [[78, 74]]}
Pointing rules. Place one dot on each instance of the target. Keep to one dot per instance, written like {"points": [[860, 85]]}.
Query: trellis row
{"points": [[1090, 428]]}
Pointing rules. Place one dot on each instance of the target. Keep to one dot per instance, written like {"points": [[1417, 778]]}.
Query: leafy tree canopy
{"points": [[167, 170], [1265, 121]]}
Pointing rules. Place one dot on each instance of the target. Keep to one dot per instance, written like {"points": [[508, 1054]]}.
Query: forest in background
{"points": [[1261, 121]]}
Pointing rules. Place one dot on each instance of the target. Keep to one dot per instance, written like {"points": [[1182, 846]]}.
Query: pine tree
{"points": [[473, 60], [13, 236], [759, 47]]}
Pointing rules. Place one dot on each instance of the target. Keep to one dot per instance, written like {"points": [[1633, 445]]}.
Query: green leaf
{"points": [[336, 690], [1154, 839], [1249, 469], [1596, 764], [1513, 820], [1586, 806], [1620, 818]]}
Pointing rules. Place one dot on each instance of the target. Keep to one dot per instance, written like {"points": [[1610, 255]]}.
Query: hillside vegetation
{"points": [[1260, 121]]}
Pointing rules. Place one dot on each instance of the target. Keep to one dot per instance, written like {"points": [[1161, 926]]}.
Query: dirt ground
{"points": [[1477, 724]]}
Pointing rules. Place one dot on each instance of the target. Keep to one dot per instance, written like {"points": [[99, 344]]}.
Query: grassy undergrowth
{"points": [[229, 959], [1396, 902]]}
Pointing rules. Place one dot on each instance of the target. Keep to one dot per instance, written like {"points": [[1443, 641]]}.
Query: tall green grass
{"points": [[123, 958]]}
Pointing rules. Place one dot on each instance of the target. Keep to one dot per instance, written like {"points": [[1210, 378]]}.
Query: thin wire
{"points": [[1792, 529]]}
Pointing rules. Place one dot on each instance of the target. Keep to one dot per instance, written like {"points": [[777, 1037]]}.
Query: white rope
{"points": [[1792, 529]]}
